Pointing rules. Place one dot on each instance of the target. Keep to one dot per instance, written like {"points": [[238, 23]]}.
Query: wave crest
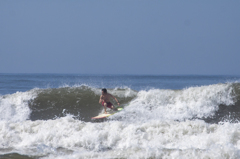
{"points": [[193, 102]]}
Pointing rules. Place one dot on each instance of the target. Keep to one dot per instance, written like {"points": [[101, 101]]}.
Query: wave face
{"points": [[81, 102], [195, 122]]}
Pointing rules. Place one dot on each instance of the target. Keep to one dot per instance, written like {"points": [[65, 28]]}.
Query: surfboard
{"points": [[101, 116]]}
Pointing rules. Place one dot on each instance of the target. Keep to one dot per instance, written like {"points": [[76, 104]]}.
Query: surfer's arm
{"points": [[115, 99]]}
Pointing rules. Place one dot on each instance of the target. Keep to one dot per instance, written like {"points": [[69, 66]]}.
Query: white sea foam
{"points": [[116, 139], [14, 107], [123, 92], [192, 102]]}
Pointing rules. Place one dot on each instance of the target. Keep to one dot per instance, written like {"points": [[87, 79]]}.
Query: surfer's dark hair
{"points": [[104, 90]]}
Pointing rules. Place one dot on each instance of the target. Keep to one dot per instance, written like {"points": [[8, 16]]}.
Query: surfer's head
{"points": [[104, 90]]}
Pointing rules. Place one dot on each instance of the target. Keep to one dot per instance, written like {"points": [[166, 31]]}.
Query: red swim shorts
{"points": [[109, 104]]}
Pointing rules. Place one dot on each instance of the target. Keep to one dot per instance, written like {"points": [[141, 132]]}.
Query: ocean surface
{"points": [[48, 116]]}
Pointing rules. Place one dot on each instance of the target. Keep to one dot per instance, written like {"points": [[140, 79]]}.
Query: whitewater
{"points": [[163, 117]]}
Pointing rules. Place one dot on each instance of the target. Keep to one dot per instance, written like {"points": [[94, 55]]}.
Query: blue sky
{"points": [[120, 37]]}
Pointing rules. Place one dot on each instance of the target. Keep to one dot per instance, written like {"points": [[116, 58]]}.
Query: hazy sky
{"points": [[120, 36]]}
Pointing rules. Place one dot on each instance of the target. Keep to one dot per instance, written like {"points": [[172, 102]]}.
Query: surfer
{"points": [[105, 100]]}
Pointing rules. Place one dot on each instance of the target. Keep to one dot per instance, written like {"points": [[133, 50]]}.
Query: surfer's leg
{"points": [[105, 107], [110, 105], [113, 107]]}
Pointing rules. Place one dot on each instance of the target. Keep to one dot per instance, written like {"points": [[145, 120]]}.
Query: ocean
{"points": [[48, 116]]}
